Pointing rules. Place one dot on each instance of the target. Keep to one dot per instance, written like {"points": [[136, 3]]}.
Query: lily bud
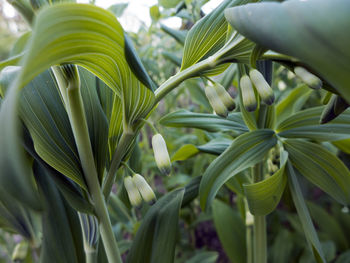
{"points": [[161, 154], [261, 85], [248, 95], [224, 96], [215, 101], [133, 192], [310, 79], [143, 187]]}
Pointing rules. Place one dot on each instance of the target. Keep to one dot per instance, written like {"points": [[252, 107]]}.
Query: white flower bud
{"points": [[133, 192], [143, 187], [161, 154], [20, 251], [310, 79], [224, 96], [215, 101], [248, 95], [249, 218], [262, 87]]}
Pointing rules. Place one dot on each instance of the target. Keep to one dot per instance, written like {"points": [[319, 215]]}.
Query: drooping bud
{"points": [[224, 96], [133, 192], [248, 95], [143, 187], [261, 85], [215, 101], [20, 252], [161, 154], [310, 79]]}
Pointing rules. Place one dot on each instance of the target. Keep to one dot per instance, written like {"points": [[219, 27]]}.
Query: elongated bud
{"points": [[143, 187], [248, 95], [161, 154], [133, 192], [20, 251], [310, 79], [261, 85], [215, 101], [224, 96]]}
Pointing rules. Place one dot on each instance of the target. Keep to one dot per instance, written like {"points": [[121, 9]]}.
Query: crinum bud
{"points": [[224, 96], [133, 193], [261, 85], [161, 154], [248, 94], [143, 187], [215, 101], [310, 79]]}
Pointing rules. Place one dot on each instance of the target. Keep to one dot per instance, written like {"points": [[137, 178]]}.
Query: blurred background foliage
{"points": [[201, 237]]}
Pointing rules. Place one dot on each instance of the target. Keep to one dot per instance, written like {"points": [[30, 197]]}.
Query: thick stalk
{"points": [[118, 155], [91, 254], [82, 139], [259, 235]]}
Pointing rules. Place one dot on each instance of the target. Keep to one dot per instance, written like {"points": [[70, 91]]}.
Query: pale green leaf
{"points": [[244, 152], [321, 167], [302, 29], [263, 197], [186, 151], [304, 216]]}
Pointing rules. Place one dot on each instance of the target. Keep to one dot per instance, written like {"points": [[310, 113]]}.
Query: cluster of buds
{"points": [[219, 99], [161, 154], [310, 79], [138, 189], [257, 80]]}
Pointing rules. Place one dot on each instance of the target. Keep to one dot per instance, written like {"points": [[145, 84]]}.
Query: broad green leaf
{"points": [[328, 225], [118, 211], [292, 102], [62, 238], [244, 152], [12, 61], [179, 35], [215, 146], [304, 216], [208, 122], [19, 45], [321, 167], [156, 237], [305, 35], [168, 3], [191, 191], [74, 195], [263, 197], [207, 36], [231, 230], [186, 151], [305, 124]]}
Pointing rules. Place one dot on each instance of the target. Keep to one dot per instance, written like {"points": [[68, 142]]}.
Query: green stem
{"points": [[260, 239], [187, 73], [123, 145], [82, 139], [91, 254], [150, 125], [249, 234]]}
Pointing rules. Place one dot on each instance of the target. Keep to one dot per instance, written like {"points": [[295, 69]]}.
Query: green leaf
{"points": [[207, 36], [216, 146], [155, 239], [263, 197], [186, 151], [293, 102], [244, 152], [179, 35], [207, 122], [169, 3], [321, 167], [304, 216], [305, 124], [62, 239], [305, 35], [204, 257], [231, 230]]}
